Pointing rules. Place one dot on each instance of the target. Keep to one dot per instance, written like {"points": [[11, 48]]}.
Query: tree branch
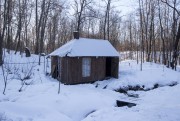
{"points": [[178, 12]]}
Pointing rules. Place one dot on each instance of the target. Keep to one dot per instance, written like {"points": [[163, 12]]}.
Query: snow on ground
{"points": [[162, 104], [151, 74], [178, 68], [40, 100]]}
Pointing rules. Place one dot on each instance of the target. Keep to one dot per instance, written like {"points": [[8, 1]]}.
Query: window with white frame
{"points": [[86, 67]]}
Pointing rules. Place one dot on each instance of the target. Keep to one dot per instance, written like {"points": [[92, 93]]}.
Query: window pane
{"points": [[86, 67]]}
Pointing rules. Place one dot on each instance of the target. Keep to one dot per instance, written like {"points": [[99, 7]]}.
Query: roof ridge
{"points": [[71, 48]]}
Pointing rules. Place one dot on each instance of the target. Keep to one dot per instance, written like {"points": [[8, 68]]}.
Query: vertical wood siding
{"points": [[71, 69]]}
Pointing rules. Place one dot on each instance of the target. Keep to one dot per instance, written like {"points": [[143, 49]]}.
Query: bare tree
{"points": [[141, 28], [82, 7], [3, 21], [106, 19], [177, 38]]}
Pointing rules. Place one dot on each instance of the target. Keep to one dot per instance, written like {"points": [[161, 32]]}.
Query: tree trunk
{"points": [[2, 33], [141, 28], [105, 20], [19, 29], [175, 52], [1, 50], [162, 36]]}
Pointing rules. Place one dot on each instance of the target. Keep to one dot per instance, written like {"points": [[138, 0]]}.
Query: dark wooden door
{"points": [[115, 67], [108, 67]]}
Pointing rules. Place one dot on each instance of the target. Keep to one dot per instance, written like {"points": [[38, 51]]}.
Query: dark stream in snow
{"points": [[140, 88]]}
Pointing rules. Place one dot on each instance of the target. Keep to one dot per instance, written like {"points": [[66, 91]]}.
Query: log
{"points": [[123, 103]]}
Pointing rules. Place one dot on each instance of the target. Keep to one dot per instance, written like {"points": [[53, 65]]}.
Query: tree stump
{"points": [[28, 54]]}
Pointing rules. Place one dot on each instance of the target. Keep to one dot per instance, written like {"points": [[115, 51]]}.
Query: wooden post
{"points": [[59, 72]]}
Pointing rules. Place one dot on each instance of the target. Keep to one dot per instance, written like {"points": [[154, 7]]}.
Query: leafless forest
{"points": [[152, 30]]}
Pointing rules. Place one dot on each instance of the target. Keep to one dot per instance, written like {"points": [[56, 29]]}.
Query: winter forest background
{"points": [[44, 25]]}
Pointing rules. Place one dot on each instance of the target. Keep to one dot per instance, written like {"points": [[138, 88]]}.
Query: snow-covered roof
{"points": [[86, 47]]}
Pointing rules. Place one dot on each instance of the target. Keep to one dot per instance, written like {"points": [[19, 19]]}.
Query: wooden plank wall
{"points": [[72, 70]]}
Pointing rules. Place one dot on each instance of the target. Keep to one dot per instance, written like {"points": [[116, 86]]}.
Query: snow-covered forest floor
{"points": [[155, 90]]}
